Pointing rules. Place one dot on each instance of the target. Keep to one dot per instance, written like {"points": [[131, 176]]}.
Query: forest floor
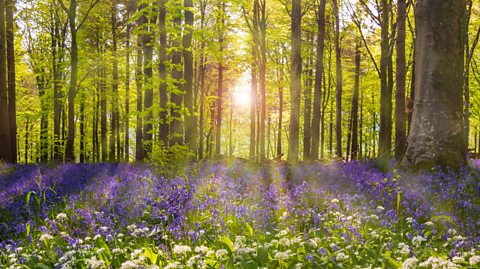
{"points": [[234, 214]]}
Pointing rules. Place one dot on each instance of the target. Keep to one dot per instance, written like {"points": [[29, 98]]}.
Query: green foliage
{"points": [[172, 160]]}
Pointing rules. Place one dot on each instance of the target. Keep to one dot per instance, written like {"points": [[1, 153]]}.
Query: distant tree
{"points": [[436, 135], [71, 12]]}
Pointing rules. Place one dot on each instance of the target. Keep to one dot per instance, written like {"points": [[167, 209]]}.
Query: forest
{"points": [[239, 134]]}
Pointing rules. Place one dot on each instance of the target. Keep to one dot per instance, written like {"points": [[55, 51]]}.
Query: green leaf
{"points": [[151, 255], [42, 266], [225, 240], [262, 256], [249, 229]]}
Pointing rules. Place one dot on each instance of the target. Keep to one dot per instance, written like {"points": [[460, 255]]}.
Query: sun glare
{"points": [[241, 95]]}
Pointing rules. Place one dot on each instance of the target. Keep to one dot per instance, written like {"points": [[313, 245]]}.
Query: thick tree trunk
{"points": [[385, 135], [317, 93], [280, 114], [400, 125], [72, 90], [295, 79], [436, 136], [12, 112], [57, 88], [339, 81], [82, 129], [5, 151], [220, 82]]}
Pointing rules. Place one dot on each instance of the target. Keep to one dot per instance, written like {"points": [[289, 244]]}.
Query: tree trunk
{"points": [[253, 106], [339, 81], [114, 127], [385, 135], [307, 117], [317, 93], [147, 46], [176, 128], [218, 123], [400, 131], [5, 151], [280, 114], [12, 112], [190, 118], [436, 136], [163, 73], [139, 151], [356, 89], [57, 88], [127, 94], [82, 129], [295, 79]]}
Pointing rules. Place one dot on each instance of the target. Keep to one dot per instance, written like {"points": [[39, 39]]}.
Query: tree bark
{"points": [[5, 151], [12, 112], [400, 125], [295, 79], [147, 46], [436, 136], [164, 126], [190, 118], [317, 92], [385, 133], [356, 89], [339, 81], [176, 128], [139, 151]]}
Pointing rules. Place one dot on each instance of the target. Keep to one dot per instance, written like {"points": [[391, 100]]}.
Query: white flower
{"points": [[45, 237], [335, 201], [181, 249], [100, 250], [132, 227], [136, 253], [61, 217], [116, 250], [172, 265], [96, 237], [201, 249], [282, 255], [458, 259], [429, 223], [404, 248], [129, 265], [417, 240], [104, 228], [410, 263], [192, 261], [284, 242], [452, 231], [342, 257], [221, 254], [474, 260], [282, 233], [95, 264], [380, 208]]}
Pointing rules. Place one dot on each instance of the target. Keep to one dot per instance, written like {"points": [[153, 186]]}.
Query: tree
{"points": [[436, 135], [317, 94], [71, 12], [5, 151], [295, 79], [163, 73], [339, 80], [190, 119], [356, 88], [12, 114], [400, 125], [176, 123]]}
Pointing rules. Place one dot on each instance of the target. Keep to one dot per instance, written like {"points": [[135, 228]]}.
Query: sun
{"points": [[242, 95]]}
